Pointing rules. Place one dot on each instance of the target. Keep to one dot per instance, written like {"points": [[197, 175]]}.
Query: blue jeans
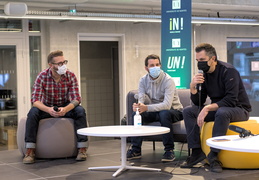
{"points": [[222, 117], [166, 118], [35, 115]]}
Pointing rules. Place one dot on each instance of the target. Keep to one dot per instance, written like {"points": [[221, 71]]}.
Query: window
{"points": [[35, 57], [244, 55], [7, 25], [34, 26]]}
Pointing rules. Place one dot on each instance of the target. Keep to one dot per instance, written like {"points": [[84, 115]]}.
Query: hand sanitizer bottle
{"points": [[137, 119]]}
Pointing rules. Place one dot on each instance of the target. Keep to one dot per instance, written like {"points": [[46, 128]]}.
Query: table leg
{"points": [[123, 165]]}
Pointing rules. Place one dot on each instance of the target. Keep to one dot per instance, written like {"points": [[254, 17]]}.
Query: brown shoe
{"points": [[81, 156], [29, 157]]}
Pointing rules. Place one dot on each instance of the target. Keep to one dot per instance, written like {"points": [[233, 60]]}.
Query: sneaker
{"points": [[132, 154], [29, 157], [81, 156], [168, 156], [192, 160], [215, 164]]}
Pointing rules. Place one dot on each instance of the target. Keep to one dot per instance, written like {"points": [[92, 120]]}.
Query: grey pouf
{"points": [[55, 139]]}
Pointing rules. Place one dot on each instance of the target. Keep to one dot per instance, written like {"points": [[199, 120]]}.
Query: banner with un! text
{"points": [[176, 37]]}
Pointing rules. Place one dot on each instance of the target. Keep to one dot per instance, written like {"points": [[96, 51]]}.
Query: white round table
{"points": [[123, 132], [235, 143]]}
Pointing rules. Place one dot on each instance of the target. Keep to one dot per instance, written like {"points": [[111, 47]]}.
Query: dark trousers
{"points": [[222, 117], [35, 115], [166, 118]]}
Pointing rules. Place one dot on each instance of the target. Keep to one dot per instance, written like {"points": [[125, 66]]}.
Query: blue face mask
{"points": [[154, 72]]}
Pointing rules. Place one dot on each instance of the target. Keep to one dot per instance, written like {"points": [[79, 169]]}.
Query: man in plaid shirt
{"points": [[55, 94]]}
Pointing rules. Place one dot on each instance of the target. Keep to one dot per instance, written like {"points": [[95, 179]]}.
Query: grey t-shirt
{"points": [[161, 92]]}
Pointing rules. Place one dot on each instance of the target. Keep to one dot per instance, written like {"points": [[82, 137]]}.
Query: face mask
{"points": [[154, 72], [62, 69], [202, 65]]}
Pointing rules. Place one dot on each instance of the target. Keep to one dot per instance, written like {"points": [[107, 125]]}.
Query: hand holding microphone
{"points": [[54, 111], [200, 78], [200, 71], [55, 108]]}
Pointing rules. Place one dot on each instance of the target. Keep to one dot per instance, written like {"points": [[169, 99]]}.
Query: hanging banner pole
{"points": [[176, 30]]}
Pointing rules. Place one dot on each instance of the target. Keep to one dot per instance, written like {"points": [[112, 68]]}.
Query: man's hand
{"points": [[141, 107], [197, 79], [52, 112], [135, 106], [60, 112], [201, 117], [204, 112]]}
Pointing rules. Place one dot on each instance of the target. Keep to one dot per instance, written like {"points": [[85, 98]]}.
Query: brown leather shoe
{"points": [[29, 157], [81, 156]]}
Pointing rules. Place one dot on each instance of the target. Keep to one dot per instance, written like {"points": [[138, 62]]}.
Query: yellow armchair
{"points": [[233, 159]]}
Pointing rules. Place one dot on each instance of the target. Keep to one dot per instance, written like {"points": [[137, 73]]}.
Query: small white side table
{"points": [[123, 132], [235, 143]]}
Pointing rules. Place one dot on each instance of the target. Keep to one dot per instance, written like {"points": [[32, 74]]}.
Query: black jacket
{"points": [[224, 86]]}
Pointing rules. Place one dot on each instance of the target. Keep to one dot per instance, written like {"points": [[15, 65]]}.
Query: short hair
{"points": [[208, 48], [54, 54], [151, 56]]}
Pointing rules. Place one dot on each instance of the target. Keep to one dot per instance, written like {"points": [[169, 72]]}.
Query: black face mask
{"points": [[202, 65]]}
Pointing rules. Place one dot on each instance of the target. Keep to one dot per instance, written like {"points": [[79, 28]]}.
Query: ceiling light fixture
{"points": [[52, 15], [224, 21]]}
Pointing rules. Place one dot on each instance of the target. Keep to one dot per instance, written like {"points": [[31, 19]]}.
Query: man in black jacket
{"points": [[229, 102]]}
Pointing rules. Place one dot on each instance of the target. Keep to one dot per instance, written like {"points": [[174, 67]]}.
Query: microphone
{"points": [[242, 132], [199, 85], [136, 97], [55, 108]]}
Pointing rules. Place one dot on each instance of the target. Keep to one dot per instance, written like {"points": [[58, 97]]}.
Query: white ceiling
{"points": [[209, 8]]}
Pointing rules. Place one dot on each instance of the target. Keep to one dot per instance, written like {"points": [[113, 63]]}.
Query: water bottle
{"points": [[137, 119]]}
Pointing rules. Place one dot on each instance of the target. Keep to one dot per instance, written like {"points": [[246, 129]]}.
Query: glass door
{"points": [[8, 96], [12, 91]]}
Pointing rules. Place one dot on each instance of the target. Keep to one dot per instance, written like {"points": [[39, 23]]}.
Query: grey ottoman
{"points": [[55, 139]]}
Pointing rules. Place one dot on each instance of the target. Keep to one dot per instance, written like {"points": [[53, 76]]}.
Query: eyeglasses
{"points": [[61, 63]]}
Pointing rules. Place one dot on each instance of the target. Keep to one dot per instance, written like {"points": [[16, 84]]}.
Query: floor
{"points": [[107, 153]]}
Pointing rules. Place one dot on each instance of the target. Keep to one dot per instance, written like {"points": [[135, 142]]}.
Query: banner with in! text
{"points": [[176, 40]]}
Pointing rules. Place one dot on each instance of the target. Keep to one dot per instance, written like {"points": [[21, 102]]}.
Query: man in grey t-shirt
{"points": [[158, 89]]}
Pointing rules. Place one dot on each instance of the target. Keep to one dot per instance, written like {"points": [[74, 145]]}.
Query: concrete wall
{"points": [[141, 39], [145, 36]]}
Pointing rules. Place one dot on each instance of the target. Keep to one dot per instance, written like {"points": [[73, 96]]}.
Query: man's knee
{"points": [[165, 117], [187, 111], [222, 113], [80, 111], [33, 111], [164, 114]]}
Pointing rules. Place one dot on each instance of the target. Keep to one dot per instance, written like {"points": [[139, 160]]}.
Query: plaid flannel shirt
{"points": [[51, 93]]}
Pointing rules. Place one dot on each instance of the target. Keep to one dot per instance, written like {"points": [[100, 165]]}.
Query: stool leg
{"points": [[154, 145]]}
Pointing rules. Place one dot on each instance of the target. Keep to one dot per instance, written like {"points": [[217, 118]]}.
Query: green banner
{"points": [[176, 41]]}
